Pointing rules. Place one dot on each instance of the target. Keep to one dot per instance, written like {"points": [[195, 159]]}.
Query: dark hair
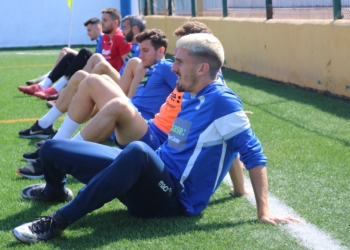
{"points": [[192, 27], [158, 38], [92, 21], [114, 13], [137, 20]]}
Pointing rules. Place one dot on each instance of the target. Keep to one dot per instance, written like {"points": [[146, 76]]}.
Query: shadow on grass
{"points": [[99, 229], [332, 105], [222, 200], [26, 215]]}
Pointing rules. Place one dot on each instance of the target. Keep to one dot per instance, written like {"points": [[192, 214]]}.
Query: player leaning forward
{"points": [[181, 176]]}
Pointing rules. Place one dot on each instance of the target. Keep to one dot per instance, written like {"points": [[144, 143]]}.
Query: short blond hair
{"points": [[204, 48]]}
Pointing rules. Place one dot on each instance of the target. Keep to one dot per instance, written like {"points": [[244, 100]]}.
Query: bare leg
{"points": [[106, 68], [63, 52], [116, 112], [125, 80], [140, 72], [237, 178], [67, 94], [129, 74], [93, 61]]}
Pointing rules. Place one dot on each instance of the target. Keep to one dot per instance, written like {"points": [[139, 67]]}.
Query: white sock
{"points": [[50, 117], [44, 84], [78, 137], [60, 84], [47, 74], [67, 129]]}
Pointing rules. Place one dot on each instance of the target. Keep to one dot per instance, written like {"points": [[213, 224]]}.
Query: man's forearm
{"points": [[237, 177], [258, 177]]}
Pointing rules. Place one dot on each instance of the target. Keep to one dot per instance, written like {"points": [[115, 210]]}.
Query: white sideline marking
{"points": [[52, 52], [38, 53], [308, 234]]}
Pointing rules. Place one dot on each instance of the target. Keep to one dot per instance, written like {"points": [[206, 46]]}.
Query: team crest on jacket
{"points": [[201, 101]]}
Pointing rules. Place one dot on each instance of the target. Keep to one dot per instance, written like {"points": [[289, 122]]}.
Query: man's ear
{"points": [[135, 29], [116, 23], [203, 68], [162, 50]]}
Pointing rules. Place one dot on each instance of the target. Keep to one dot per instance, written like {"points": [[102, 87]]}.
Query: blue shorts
{"points": [[154, 137]]}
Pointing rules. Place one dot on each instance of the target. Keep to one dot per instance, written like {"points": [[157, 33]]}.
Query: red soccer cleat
{"points": [[46, 93], [30, 90]]}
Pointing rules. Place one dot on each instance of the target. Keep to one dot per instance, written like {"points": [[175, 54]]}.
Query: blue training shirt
{"points": [[134, 52], [207, 135], [154, 88], [99, 44]]}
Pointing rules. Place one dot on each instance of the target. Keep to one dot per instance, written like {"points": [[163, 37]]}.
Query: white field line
{"points": [[306, 233], [31, 53]]}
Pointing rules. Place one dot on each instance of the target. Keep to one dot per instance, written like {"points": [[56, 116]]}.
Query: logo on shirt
{"points": [[201, 101], [106, 53], [148, 74], [175, 98], [144, 81], [178, 134]]}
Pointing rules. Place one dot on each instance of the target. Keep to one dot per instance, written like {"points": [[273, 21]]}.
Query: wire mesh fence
{"points": [[281, 9], [346, 8]]}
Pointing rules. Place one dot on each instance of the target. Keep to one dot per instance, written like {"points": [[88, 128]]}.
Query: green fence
{"points": [[268, 9]]}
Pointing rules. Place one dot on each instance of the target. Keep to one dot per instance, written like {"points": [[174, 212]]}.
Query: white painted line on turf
{"points": [[38, 53], [308, 234], [31, 53]]}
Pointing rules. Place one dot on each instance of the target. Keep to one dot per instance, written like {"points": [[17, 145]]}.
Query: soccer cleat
{"points": [[32, 170], [31, 156], [50, 104], [44, 228], [46, 93], [30, 90], [40, 143], [36, 131], [53, 97], [36, 192], [36, 80]]}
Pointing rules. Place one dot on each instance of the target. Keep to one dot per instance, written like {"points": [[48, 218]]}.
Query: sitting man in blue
{"points": [[153, 88], [180, 177]]}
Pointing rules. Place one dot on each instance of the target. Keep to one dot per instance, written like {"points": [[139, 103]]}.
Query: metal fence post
{"points": [[337, 9], [269, 9], [151, 6], [170, 7], [145, 10], [193, 8], [224, 8]]}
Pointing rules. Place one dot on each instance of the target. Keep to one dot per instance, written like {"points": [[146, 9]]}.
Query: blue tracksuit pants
{"points": [[136, 176]]}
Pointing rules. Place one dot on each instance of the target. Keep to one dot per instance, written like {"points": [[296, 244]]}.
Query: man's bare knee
{"points": [[100, 68], [96, 58], [91, 80], [117, 106], [65, 49], [77, 78]]}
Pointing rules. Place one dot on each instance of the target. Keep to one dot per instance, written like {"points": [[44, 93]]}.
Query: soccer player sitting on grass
{"points": [[94, 31], [180, 177], [114, 50], [98, 92], [154, 87], [43, 128]]}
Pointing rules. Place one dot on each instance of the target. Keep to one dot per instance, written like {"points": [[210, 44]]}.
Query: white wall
{"points": [[25, 23]]}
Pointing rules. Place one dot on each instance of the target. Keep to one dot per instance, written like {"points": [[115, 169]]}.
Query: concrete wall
{"points": [[25, 23], [310, 53]]}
